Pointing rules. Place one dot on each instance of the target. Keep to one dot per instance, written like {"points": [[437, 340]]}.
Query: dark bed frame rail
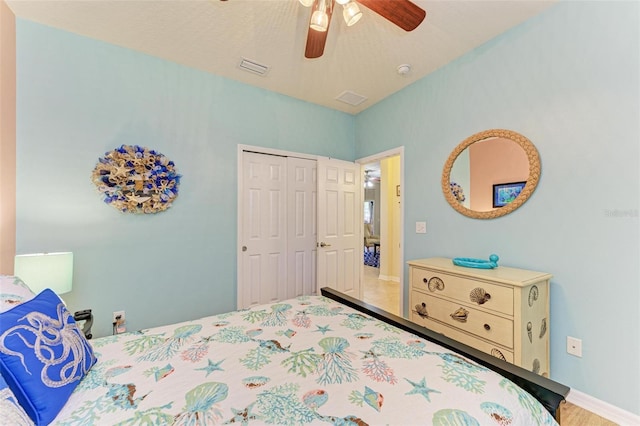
{"points": [[550, 394]]}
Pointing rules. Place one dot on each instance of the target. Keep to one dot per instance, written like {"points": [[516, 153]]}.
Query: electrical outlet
{"points": [[119, 320], [574, 346], [421, 227], [118, 315]]}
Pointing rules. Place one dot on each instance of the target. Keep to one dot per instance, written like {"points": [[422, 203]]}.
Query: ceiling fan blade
{"points": [[403, 13], [315, 44], [317, 39]]}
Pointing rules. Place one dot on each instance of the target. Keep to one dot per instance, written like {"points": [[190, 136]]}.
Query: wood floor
{"points": [[385, 295], [572, 415]]}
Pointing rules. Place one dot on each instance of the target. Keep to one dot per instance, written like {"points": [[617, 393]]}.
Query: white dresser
{"points": [[502, 311]]}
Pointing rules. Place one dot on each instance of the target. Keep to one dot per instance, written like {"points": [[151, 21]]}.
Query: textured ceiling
{"points": [[215, 35]]}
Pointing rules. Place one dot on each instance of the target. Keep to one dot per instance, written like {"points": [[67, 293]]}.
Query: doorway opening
{"points": [[382, 252]]}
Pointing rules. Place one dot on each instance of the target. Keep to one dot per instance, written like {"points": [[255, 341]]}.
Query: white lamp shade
{"points": [[46, 270], [351, 13], [306, 3], [319, 21]]}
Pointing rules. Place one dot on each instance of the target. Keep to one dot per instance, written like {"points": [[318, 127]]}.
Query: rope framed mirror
{"points": [[491, 173]]}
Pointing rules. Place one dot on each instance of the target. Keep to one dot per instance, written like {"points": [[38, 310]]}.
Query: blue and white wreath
{"points": [[135, 179]]}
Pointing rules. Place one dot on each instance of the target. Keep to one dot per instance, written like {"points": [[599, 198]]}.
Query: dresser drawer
{"points": [[462, 337], [470, 320], [499, 299]]}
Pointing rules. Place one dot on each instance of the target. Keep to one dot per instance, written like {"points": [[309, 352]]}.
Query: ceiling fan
{"points": [[403, 13]]}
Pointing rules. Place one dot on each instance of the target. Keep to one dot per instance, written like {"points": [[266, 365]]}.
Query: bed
{"points": [[309, 360]]}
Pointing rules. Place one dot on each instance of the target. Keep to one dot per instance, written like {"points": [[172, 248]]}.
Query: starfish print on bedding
{"points": [[242, 416], [421, 388], [323, 329], [211, 367]]}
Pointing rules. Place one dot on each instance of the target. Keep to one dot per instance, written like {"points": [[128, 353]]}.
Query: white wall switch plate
{"points": [[421, 227]]}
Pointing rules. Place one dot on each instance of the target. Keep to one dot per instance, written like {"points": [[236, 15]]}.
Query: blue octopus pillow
{"points": [[43, 355]]}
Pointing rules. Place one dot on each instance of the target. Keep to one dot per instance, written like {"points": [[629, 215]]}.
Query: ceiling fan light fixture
{"points": [[320, 18], [403, 13], [319, 21], [306, 3], [351, 13]]}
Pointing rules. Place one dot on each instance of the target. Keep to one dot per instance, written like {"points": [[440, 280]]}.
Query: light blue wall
{"points": [[77, 99], [569, 81]]}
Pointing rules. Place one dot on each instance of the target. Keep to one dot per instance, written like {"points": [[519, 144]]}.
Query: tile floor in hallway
{"points": [[382, 294]]}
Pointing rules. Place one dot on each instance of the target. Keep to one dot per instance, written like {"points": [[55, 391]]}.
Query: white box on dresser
{"points": [[502, 311]]}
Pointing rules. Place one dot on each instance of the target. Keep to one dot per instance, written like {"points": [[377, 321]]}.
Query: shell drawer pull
{"points": [[479, 296], [487, 327], [435, 283], [421, 310], [496, 352], [460, 315]]}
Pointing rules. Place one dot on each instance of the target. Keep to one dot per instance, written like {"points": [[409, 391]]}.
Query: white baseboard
{"points": [[389, 278], [603, 409]]}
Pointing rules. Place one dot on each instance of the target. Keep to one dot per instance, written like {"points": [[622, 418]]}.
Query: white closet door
{"points": [[264, 229], [302, 185], [339, 226]]}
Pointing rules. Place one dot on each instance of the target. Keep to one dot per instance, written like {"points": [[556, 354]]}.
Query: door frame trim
{"points": [[377, 157]]}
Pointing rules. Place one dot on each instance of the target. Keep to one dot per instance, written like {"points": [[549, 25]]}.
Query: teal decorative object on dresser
{"points": [[469, 262]]}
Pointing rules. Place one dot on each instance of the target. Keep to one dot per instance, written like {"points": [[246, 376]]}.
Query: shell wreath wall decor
{"points": [[457, 192], [136, 179]]}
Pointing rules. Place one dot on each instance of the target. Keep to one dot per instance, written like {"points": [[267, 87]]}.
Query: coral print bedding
{"points": [[308, 360]]}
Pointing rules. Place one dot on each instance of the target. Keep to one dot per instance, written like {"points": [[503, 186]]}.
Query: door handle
{"points": [[323, 244]]}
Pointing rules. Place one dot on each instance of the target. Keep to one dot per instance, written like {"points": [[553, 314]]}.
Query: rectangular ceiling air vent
{"points": [[351, 98], [253, 66]]}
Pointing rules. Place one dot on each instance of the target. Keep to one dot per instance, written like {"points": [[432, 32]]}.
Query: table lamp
{"points": [[46, 270], [54, 271]]}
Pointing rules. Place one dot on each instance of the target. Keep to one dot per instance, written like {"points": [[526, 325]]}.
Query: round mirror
{"points": [[491, 173]]}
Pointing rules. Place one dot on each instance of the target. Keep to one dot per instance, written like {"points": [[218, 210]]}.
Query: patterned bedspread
{"points": [[306, 360]]}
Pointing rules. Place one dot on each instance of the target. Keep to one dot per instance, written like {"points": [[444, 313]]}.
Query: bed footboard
{"points": [[550, 394]]}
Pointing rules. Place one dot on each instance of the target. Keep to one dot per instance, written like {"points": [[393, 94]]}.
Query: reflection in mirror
{"points": [[493, 161], [483, 176]]}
